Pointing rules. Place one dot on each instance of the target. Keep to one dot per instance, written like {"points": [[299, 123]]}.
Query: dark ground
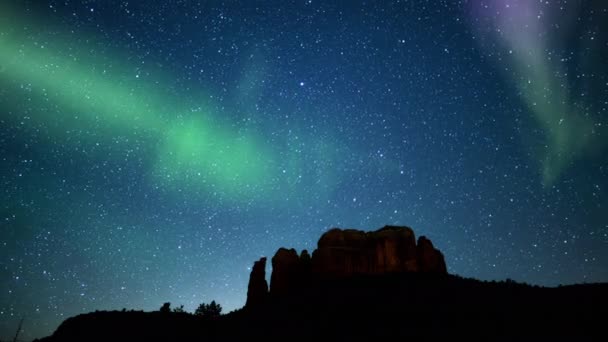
{"points": [[370, 308]]}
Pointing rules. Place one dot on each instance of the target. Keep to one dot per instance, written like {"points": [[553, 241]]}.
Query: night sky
{"points": [[151, 151]]}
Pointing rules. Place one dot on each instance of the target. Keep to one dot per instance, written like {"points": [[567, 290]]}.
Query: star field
{"points": [[151, 151]]}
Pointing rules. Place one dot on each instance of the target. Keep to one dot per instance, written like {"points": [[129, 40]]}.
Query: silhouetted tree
{"points": [[179, 309], [210, 310], [166, 308]]}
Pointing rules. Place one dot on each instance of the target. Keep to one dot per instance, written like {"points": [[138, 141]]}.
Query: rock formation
{"points": [[347, 252], [305, 267], [429, 258], [285, 271], [257, 291]]}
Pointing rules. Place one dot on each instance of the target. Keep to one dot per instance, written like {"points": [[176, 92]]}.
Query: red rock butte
{"points": [[343, 253]]}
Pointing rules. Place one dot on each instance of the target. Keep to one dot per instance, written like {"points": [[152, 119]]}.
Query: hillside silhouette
{"points": [[365, 286]]}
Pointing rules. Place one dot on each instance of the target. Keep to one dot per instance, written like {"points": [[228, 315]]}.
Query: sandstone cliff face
{"points": [[348, 252]]}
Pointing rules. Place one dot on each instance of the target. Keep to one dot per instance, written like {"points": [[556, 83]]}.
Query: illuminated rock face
{"points": [[347, 252]]}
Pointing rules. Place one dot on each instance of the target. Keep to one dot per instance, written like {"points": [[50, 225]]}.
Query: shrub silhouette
{"points": [[210, 310], [166, 308], [179, 309]]}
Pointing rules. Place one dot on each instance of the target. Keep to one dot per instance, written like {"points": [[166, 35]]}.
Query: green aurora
{"points": [[194, 151], [571, 132]]}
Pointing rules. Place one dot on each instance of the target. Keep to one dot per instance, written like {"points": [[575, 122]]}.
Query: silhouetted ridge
{"points": [[381, 285]]}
